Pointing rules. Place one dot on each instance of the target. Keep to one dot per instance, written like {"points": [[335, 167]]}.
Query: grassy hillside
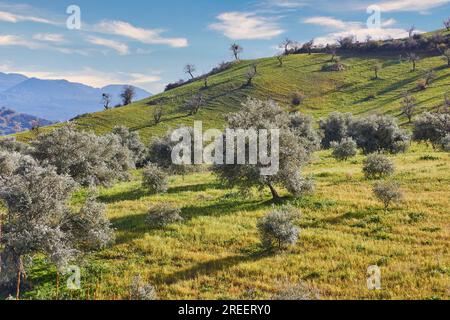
{"points": [[215, 253], [353, 90]]}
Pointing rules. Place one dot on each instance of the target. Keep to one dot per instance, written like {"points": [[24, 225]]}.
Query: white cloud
{"points": [[362, 33], [121, 48], [245, 26], [410, 5], [329, 22], [14, 18], [147, 36], [49, 37], [290, 4], [388, 22], [15, 41]]}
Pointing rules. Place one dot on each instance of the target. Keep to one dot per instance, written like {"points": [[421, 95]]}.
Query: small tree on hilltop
{"points": [[409, 106], [413, 58], [376, 69], [308, 46], [194, 104], [280, 58], [190, 69], [106, 100], [237, 50], [447, 24], [294, 151], [388, 193], [128, 95], [250, 75], [157, 114], [286, 45]]}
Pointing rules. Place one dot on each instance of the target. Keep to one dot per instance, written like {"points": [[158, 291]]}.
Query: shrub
{"points": [[432, 127], [387, 193], [378, 166], [154, 179], [87, 158], [297, 98], [345, 149], [277, 228], [422, 84], [10, 144], [140, 291], [162, 215], [297, 292], [335, 127]]}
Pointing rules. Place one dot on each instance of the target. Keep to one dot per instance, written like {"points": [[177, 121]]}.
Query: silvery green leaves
{"points": [[277, 229]]}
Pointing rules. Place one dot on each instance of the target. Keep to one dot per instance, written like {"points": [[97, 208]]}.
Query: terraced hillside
{"points": [[353, 90]]}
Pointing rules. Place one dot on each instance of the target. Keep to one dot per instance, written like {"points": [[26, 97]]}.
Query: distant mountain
{"points": [[13, 122], [9, 80], [56, 100]]}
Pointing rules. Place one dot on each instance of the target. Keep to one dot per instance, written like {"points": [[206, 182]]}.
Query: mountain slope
{"points": [[353, 90]]}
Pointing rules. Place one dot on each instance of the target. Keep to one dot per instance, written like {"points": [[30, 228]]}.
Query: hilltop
{"points": [[353, 90]]}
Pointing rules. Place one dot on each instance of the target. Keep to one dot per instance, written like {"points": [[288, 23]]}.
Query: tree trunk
{"points": [[57, 285], [274, 192], [19, 275]]}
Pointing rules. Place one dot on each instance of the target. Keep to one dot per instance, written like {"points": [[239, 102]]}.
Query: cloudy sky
{"points": [[147, 42]]}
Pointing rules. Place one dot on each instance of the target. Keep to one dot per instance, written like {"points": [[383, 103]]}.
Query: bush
{"points": [[10, 144], [141, 291], [388, 193], [87, 158], [162, 215], [154, 179], [277, 228], [297, 292], [345, 149], [378, 166]]}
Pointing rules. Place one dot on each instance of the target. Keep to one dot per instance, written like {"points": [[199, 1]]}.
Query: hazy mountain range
{"points": [[55, 100], [13, 122]]}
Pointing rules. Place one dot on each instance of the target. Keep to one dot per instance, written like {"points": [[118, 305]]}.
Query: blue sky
{"points": [[147, 43]]}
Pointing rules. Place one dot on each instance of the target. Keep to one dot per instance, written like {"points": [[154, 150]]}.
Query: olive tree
{"points": [[345, 149], [277, 228], [335, 128], [127, 95], [132, 141], [89, 159], [40, 221], [378, 166], [431, 127], [388, 193], [10, 144], [237, 50], [377, 133], [154, 179], [409, 106], [294, 150]]}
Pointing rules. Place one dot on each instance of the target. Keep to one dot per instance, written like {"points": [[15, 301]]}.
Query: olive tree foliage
{"points": [[377, 133], [388, 192], [141, 291], [295, 148], [10, 144], [432, 128], [335, 128], [445, 142], [39, 221], [154, 179], [277, 228], [378, 166], [345, 149], [89, 159], [160, 154], [162, 215], [132, 141]]}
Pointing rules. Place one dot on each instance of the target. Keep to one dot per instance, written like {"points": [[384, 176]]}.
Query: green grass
{"points": [[216, 254], [353, 90]]}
